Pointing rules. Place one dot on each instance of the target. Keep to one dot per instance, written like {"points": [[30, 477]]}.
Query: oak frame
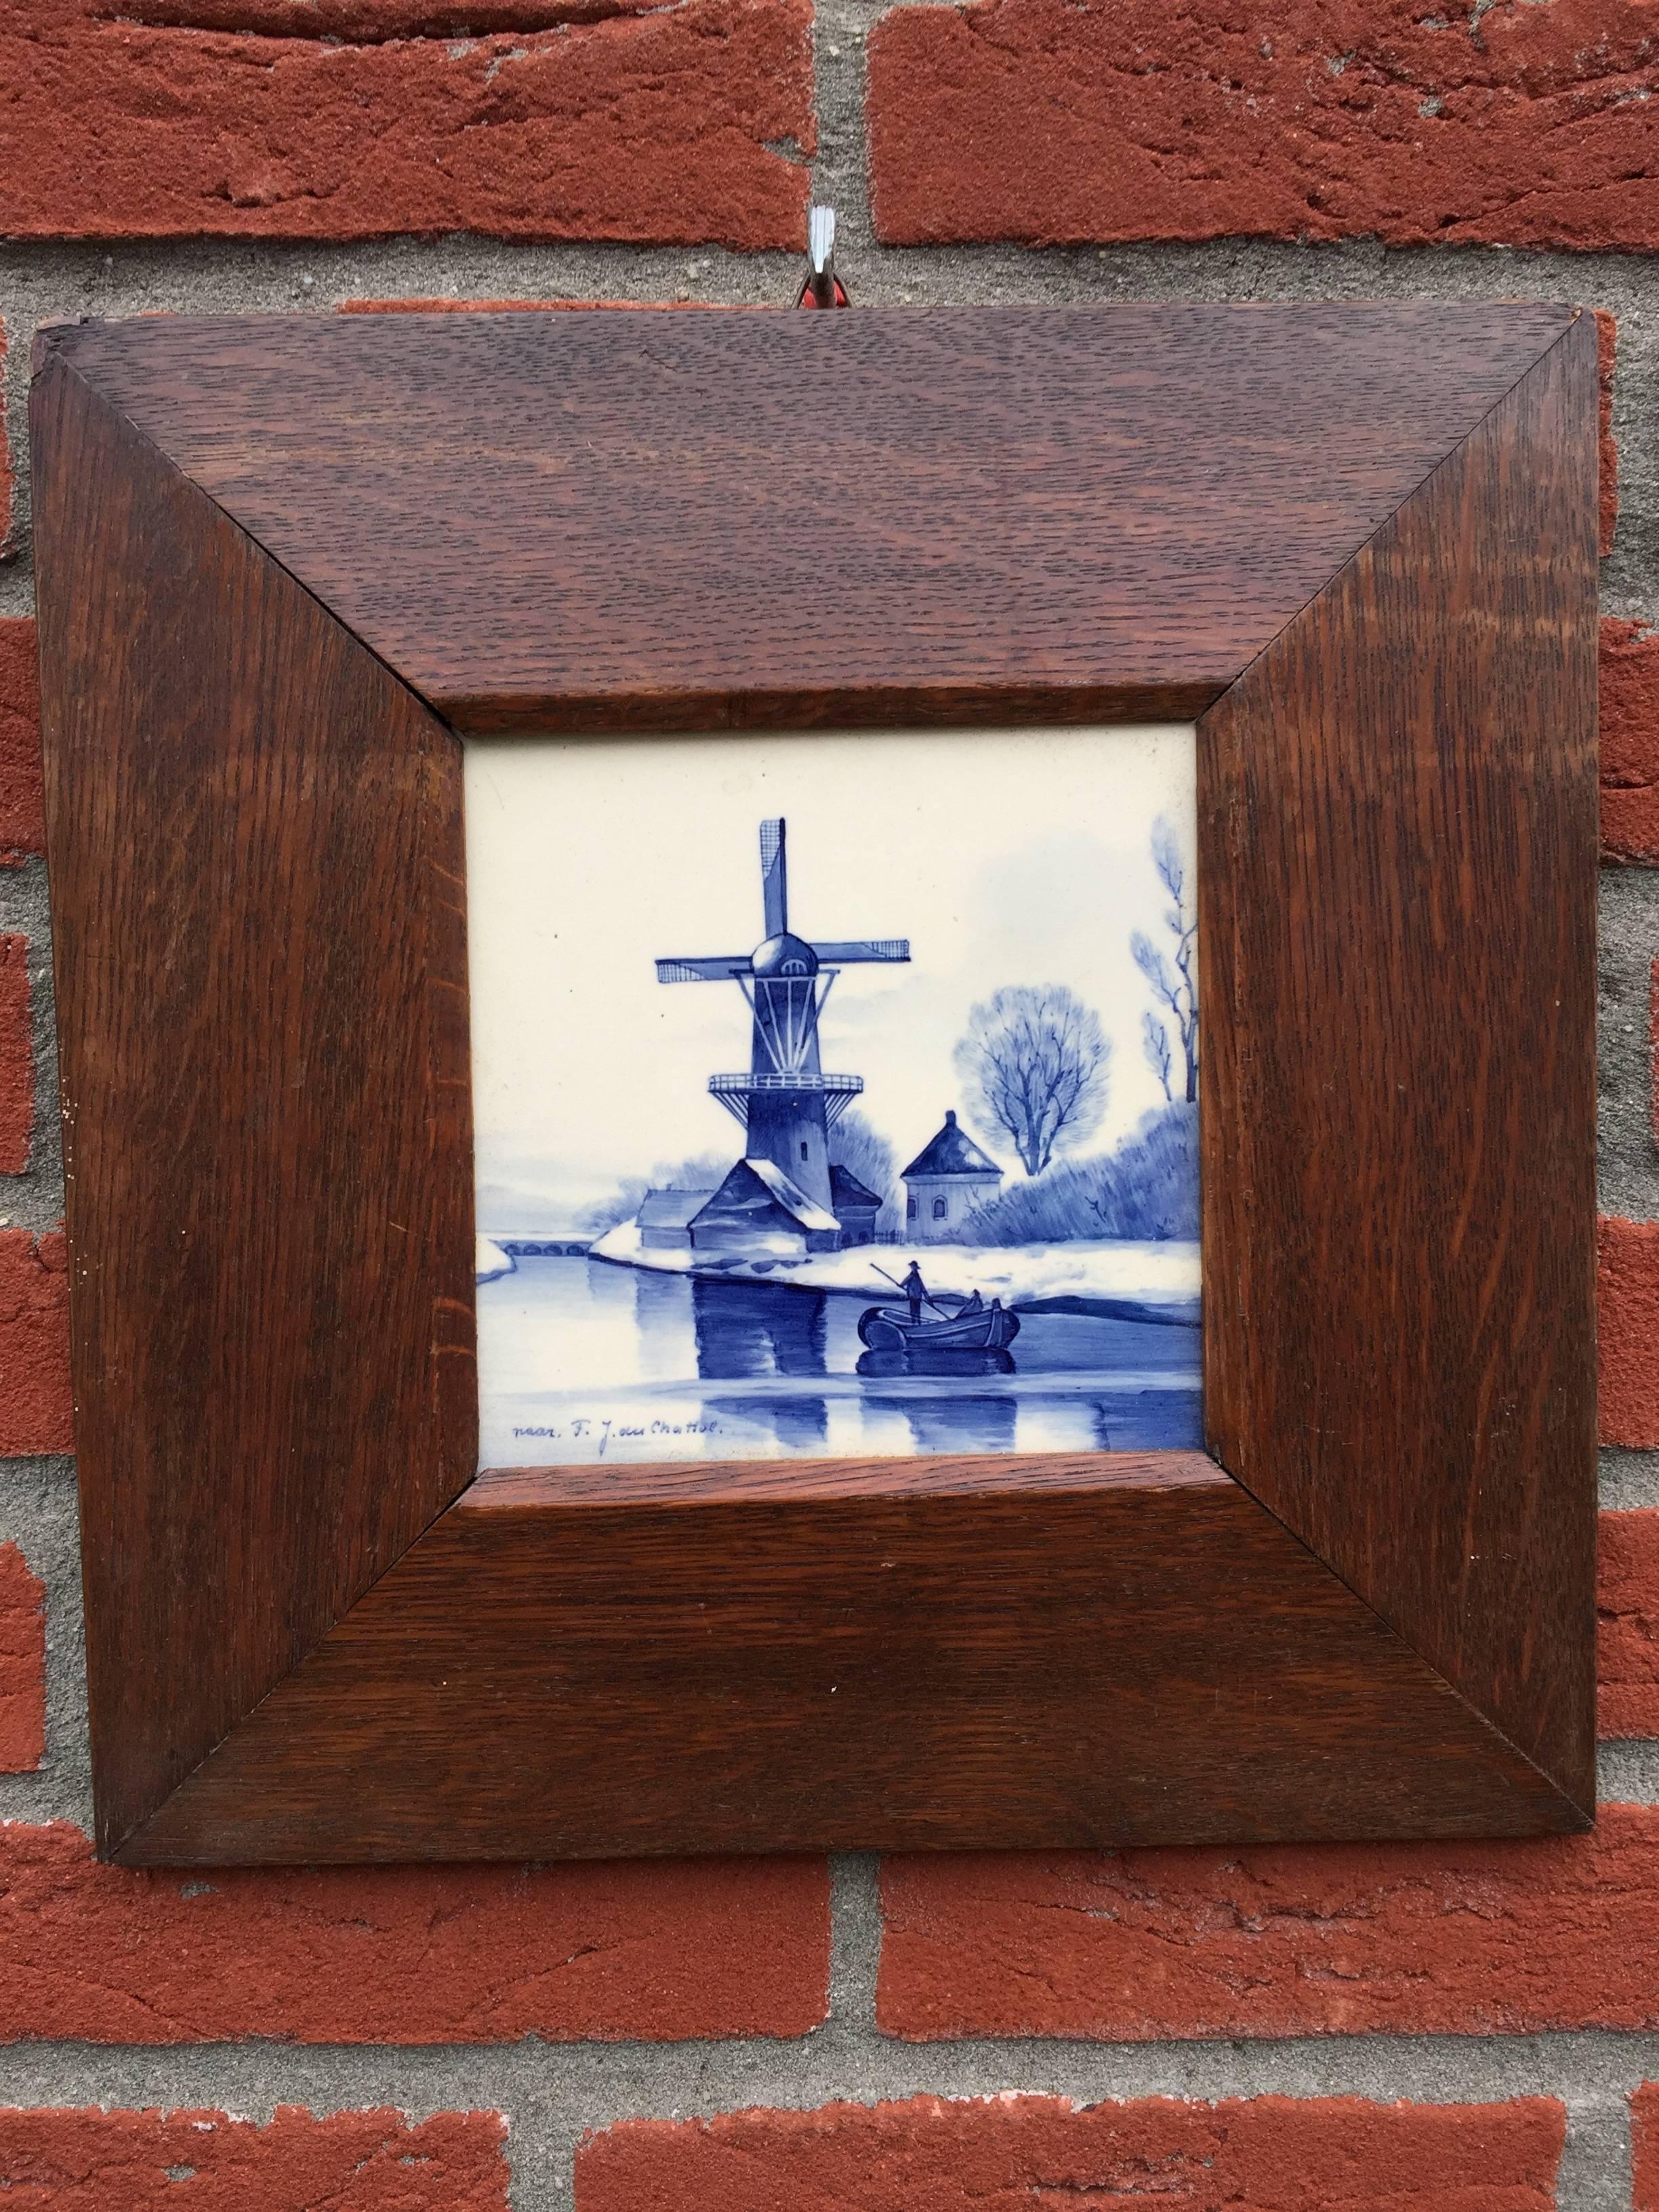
{"points": [[283, 561]]}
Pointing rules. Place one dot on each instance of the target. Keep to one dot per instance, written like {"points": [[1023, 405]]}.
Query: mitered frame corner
{"points": [[312, 1633]]}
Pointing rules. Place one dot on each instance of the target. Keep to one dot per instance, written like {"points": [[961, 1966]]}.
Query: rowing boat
{"points": [[969, 1329]]}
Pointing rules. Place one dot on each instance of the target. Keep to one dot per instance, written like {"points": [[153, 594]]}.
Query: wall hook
{"points": [[822, 287]]}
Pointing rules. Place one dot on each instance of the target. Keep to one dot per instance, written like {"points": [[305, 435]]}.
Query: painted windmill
{"points": [[786, 1104]]}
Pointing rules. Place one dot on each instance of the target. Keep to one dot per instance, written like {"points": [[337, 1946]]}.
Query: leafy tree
{"points": [[1172, 978], [1035, 1060]]}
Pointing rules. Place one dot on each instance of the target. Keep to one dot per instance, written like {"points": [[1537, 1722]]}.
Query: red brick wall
{"points": [[1045, 122], [1018, 2152], [1285, 2029], [355, 2161]]}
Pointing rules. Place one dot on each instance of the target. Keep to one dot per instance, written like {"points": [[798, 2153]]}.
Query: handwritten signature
{"points": [[597, 1434]]}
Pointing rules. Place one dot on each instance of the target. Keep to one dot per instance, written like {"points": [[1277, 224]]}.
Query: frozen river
{"points": [[581, 1360]]}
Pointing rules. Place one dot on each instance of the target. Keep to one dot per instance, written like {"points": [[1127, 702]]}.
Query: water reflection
{"points": [[785, 1425], [750, 1329], [662, 1321], [954, 1424], [580, 1360]]}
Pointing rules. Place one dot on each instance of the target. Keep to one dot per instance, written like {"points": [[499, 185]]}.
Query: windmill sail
{"points": [[719, 971], [851, 953], [784, 1102], [774, 882]]}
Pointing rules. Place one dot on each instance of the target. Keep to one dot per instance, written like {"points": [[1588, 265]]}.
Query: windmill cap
{"points": [[780, 952], [949, 1117]]}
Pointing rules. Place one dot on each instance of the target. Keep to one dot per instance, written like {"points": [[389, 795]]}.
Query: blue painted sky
{"points": [[1005, 857]]}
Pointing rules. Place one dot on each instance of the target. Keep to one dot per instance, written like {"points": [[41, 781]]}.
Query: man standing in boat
{"points": [[915, 1290]]}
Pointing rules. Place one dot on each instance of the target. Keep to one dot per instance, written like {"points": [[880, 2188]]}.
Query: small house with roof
{"points": [[853, 1205], [664, 1218], [758, 1211], [947, 1180]]}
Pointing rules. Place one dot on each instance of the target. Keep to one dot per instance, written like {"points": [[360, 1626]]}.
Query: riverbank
{"points": [[1117, 1282], [489, 1261]]}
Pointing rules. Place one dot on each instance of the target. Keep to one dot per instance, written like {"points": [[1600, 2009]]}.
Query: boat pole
{"points": [[900, 1288]]}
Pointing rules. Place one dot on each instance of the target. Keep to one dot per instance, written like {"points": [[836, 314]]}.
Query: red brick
{"points": [[1630, 702], [657, 1949], [1057, 121], [22, 1664], [16, 1057], [371, 21], [1606, 349], [1653, 1048], [1630, 742], [1014, 2153], [35, 1406], [153, 2162], [1627, 1324], [1644, 2146], [1476, 1938], [655, 125], [1627, 1624], [22, 818]]}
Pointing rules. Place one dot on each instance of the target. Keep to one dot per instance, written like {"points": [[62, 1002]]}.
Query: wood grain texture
{"points": [[513, 1489], [1397, 930], [594, 521], [1388, 513], [1136, 1661], [258, 935]]}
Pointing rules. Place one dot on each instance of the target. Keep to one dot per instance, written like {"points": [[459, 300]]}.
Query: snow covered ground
{"points": [[1149, 1282], [492, 1261]]}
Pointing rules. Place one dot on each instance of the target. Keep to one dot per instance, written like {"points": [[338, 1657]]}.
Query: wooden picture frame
{"points": [[283, 562]]}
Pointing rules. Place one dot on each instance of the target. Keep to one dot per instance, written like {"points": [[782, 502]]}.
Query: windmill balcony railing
{"points": [[735, 1092], [831, 1086]]}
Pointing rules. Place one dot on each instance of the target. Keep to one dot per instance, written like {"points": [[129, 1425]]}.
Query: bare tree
{"points": [[1155, 1043], [1172, 978], [1036, 1060], [857, 1145]]}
